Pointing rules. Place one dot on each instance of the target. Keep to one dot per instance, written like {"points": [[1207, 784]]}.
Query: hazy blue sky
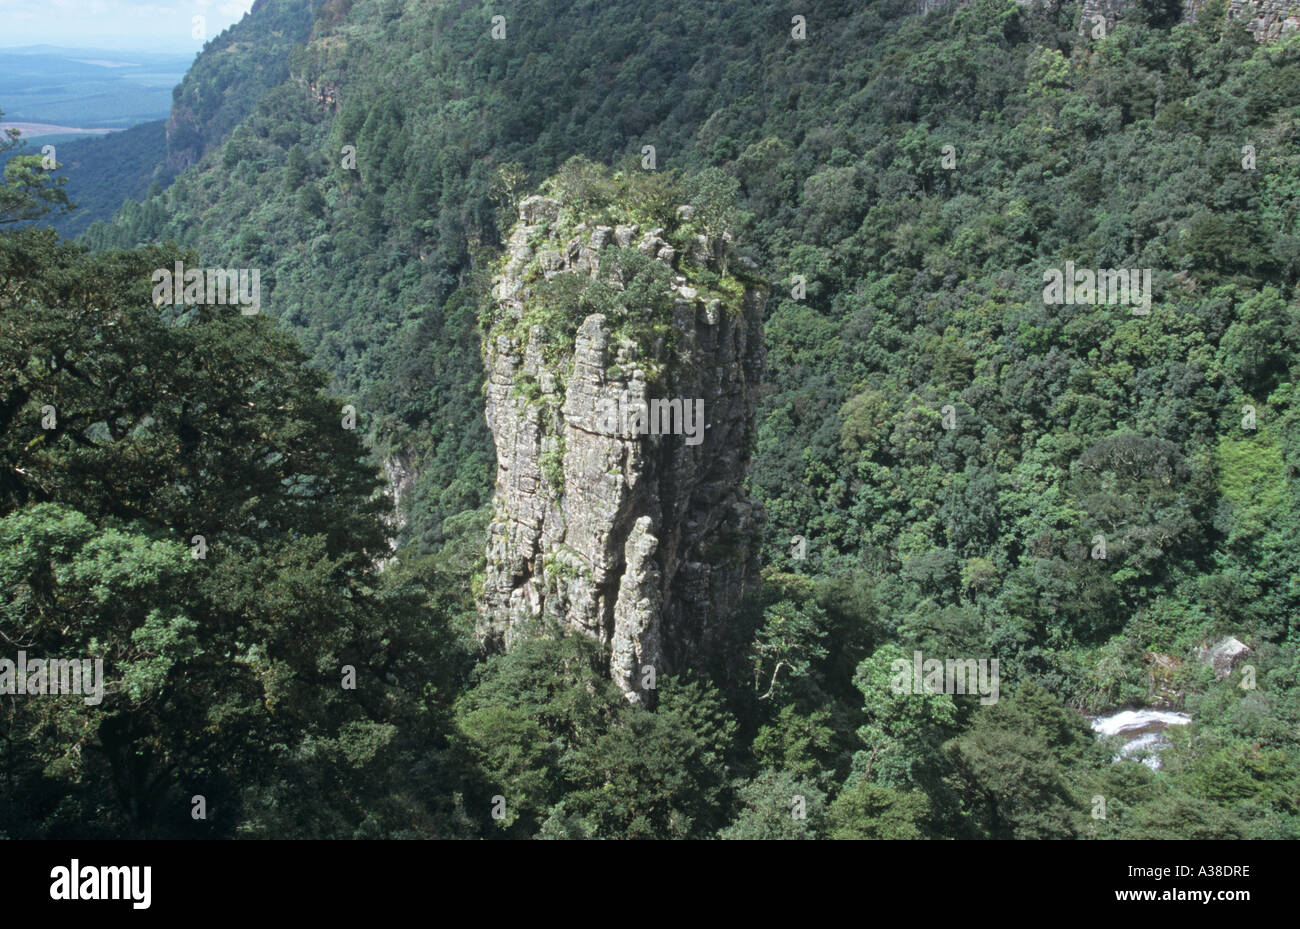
{"points": [[155, 25]]}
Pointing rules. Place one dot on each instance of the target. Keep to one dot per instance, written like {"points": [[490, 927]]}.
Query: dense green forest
{"points": [[917, 174], [101, 173], [231, 74]]}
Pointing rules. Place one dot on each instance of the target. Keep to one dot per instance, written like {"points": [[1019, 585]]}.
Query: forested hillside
{"points": [[231, 74], [224, 84], [102, 172], [938, 449]]}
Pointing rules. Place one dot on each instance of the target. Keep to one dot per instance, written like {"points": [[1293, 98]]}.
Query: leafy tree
{"points": [[181, 501], [656, 775], [29, 190], [798, 744], [874, 811], [789, 641], [902, 729], [777, 805], [1017, 758]]}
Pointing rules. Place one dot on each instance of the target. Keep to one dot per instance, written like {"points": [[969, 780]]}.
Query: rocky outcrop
{"points": [[640, 540], [1164, 681], [400, 477], [1223, 656], [185, 144], [1265, 19]]}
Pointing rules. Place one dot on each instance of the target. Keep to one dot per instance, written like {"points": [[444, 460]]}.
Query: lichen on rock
{"points": [[642, 541]]}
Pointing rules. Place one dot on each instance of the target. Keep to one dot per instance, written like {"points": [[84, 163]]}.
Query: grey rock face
{"points": [[640, 541], [1223, 656], [1266, 20], [401, 478]]}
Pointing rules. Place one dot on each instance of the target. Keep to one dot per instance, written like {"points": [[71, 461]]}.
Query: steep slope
{"points": [[939, 444], [105, 171], [944, 441], [221, 87], [230, 75], [372, 260]]}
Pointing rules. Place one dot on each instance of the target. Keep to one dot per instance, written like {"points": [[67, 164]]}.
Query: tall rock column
{"points": [[617, 513]]}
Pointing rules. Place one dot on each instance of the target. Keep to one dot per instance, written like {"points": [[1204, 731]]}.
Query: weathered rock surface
{"points": [[1223, 656], [1163, 689], [641, 541], [1265, 19]]}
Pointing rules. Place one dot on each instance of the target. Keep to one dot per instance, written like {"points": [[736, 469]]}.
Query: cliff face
{"points": [[231, 74], [1265, 19], [642, 541]]}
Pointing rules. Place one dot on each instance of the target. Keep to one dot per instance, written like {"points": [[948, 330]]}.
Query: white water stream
{"points": [[1142, 730]]}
